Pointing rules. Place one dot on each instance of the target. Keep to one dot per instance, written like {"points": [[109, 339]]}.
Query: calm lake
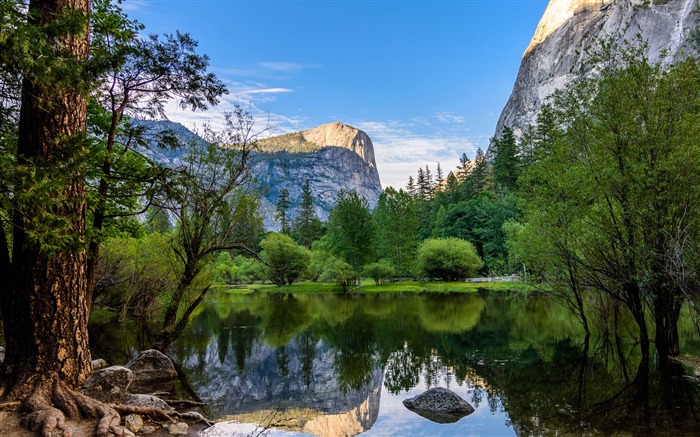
{"points": [[336, 365]]}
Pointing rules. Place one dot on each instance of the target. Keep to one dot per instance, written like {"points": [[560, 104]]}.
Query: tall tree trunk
{"points": [[45, 312]]}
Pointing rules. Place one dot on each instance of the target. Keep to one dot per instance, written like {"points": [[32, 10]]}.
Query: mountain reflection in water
{"points": [[341, 365]]}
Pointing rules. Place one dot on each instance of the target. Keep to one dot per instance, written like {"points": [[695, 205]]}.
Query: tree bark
{"points": [[45, 312]]}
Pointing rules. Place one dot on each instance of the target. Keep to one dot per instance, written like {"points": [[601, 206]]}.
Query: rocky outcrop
{"points": [[341, 135], [334, 134], [332, 157], [557, 53], [440, 405], [328, 170]]}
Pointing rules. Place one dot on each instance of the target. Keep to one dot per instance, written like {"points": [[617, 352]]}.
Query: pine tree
{"points": [[506, 163], [421, 185], [411, 186], [43, 262], [464, 167], [307, 227], [480, 173], [439, 177], [429, 181], [282, 208]]}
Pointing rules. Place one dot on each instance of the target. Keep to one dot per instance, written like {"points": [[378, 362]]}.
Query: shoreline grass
{"points": [[368, 286]]}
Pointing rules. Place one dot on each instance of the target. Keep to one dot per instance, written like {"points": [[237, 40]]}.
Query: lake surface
{"points": [[341, 365]]}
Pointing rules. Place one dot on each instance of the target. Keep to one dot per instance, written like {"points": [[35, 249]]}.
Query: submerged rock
{"points": [[439, 405]]}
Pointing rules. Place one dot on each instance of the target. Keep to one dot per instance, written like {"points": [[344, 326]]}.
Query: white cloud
{"points": [[449, 118], [133, 5], [269, 91], [400, 151], [264, 70], [286, 67]]}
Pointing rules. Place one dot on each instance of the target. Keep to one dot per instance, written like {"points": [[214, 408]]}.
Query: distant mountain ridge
{"points": [[557, 53], [332, 157]]}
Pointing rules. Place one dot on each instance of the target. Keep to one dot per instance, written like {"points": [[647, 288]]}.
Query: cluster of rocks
{"points": [[133, 385]]}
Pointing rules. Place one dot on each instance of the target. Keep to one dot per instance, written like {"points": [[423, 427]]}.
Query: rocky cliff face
{"points": [[557, 52], [332, 157]]}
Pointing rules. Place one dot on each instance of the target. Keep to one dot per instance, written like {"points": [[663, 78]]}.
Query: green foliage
{"points": [[478, 179], [506, 165], [285, 260], [307, 228], [449, 259], [381, 271], [616, 195], [396, 216], [282, 207], [339, 272], [351, 229], [140, 74], [134, 274], [238, 270], [317, 263], [480, 221]]}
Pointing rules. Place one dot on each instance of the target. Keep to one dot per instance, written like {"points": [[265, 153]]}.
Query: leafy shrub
{"points": [[338, 271], [449, 259], [380, 271], [238, 270], [286, 260]]}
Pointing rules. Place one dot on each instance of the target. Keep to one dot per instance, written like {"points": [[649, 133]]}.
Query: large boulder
{"points": [[153, 371], [439, 405], [109, 384]]}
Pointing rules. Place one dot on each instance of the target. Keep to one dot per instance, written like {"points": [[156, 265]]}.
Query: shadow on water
{"points": [[336, 365]]}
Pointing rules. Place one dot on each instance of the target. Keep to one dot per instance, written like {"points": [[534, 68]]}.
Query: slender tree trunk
{"points": [[100, 211], [667, 309], [636, 306], [45, 313]]}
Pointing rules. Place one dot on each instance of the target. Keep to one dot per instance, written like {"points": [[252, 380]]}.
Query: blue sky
{"points": [[425, 79]]}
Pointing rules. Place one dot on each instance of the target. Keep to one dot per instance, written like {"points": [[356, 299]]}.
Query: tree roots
{"points": [[49, 404], [51, 401]]}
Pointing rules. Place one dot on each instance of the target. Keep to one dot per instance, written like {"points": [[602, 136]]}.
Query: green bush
{"points": [[380, 271], [134, 273], [286, 261], [449, 259], [338, 271]]}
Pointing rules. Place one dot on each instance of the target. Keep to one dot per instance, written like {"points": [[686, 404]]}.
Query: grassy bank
{"points": [[368, 286]]}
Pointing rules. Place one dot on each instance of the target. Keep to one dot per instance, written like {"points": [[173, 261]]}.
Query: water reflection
{"points": [[340, 365]]}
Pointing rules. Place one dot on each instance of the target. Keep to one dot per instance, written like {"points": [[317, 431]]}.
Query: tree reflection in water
{"points": [[526, 359]]}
